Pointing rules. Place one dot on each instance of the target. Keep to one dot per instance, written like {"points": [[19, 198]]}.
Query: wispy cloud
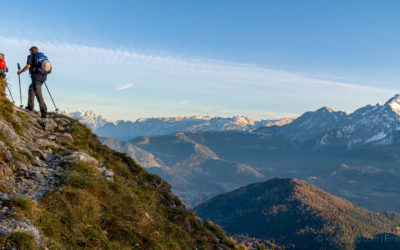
{"points": [[183, 102], [126, 86], [223, 73], [164, 78]]}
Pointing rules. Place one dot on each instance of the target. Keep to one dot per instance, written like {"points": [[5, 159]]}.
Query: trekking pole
{"points": [[19, 80], [51, 97], [10, 94]]}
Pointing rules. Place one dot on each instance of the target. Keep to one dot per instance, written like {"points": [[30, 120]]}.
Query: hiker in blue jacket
{"points": [[38, 78]]}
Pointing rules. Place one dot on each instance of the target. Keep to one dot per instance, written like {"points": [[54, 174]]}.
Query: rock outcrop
{"points": [[31, 167]]}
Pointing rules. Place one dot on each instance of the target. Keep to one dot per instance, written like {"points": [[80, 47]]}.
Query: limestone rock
{"points": [[48, 124], [5, 171], [73, 157], [107, 173], [12, 138], [63, 138], [12, 225], [7, 155]]}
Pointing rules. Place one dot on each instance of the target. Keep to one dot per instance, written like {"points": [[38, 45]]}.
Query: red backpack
{"points": [[3, 66]]}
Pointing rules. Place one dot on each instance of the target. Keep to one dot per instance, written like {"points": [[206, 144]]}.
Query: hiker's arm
{"points": [[24, 69]]}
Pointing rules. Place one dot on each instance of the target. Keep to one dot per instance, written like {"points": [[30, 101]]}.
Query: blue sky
{"points": [[261, 59]]}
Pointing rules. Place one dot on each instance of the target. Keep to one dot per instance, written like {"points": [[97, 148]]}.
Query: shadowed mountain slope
{"points": [[295, 214], [196, 173]]}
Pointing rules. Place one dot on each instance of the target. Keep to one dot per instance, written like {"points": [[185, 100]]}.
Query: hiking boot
{"points": [[44, 114], [29, 108]]}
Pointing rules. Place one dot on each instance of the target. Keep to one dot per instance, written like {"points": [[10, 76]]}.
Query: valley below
{"points": [[346, 165], [203, 164]]}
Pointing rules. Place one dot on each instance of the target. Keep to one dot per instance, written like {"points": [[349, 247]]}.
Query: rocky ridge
{"points": [[22, 179], [370, 124], [60, 188]]}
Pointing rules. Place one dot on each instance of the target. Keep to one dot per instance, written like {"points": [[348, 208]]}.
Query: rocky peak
{"points": [[368, 124], [395, 98], [394, 104], [89, 118], [325, 109], [311, 124]]}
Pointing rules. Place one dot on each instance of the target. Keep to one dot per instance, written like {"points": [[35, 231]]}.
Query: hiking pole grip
{"points": [[19, 67]]}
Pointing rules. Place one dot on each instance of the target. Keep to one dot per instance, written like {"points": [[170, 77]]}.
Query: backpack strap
{"points": [[33, 63]]}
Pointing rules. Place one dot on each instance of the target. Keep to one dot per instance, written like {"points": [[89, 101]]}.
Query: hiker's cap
{"points": [[34, 49], [2, 64]]}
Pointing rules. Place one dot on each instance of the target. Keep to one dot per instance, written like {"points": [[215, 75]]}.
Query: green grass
{"points": [[23, 116], [18, 240], [18, 120], [21, 203], [21, 156], [133, 212], [18, 128], [90, 212], [6, 107], [22, 208]]}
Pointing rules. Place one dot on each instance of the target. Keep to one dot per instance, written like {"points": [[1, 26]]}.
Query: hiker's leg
{"points": [[31, 96], [38, 91]]}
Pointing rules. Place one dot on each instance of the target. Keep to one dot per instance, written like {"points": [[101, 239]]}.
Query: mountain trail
{"points": [[32, 166]]}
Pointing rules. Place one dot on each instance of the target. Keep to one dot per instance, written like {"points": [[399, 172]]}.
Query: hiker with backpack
{"points": [[3, 67], [39, 67], [3, 72]]}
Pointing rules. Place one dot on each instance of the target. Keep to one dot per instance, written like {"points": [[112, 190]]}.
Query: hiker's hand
{"points": [[24, 69]]}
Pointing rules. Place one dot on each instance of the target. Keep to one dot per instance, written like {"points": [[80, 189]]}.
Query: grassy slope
{"points": [[136, 211]]}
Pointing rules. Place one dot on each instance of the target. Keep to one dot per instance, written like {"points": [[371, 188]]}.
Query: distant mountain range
{"points": [[126, 130], [355, 156], [296, 215], [370, 124]]}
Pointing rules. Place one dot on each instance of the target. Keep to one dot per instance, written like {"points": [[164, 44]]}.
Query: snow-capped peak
{"points": [[89, 118], [125, 129], [394, 104]]}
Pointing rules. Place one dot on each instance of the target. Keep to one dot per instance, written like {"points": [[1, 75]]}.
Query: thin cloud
{"points": [[224, 74], [183, 102], [126, 86], [162, 77]]}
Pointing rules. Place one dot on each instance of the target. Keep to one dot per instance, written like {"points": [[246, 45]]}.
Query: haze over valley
{"points": [[333, 150]]}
